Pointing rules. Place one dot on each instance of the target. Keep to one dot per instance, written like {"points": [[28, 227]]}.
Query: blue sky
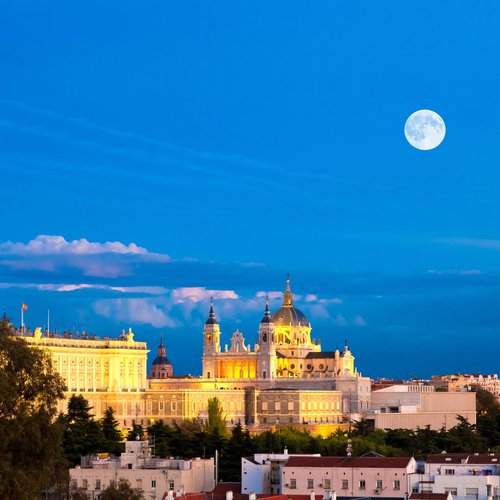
{"points": [[220, 146]]}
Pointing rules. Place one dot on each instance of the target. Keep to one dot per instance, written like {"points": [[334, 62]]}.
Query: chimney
{"points": [[252, 496], [170, 495], [229, 495], [313, 495], [285, 451]]}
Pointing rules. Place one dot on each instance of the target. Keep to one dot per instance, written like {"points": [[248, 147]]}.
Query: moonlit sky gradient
{"points": [[156, 154]]}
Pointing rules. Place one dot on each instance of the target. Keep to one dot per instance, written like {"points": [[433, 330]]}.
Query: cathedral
{"points": [[284, 349]]}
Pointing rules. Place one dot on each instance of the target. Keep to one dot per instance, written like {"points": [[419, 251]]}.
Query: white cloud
{"points": [[459, 272], [271, 295], [335, 300], [53, 245], [253, 264], [199, 294], [359, 321], [53, 253], [71, 287], [472, 242], [141, 310]]}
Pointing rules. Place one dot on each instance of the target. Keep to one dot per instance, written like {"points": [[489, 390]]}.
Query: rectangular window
{"points": [[161, 406], [85, 484], [449, 472], [171, 485], [471, 492], [453, 491], [362, 484], [277, 407], [378, 484], [173, 405], [290, 405], [293, 484], [97, 484], [345, 484], [326, 484], [264, 406], [397, 484], [153, 483], [310, 484]]}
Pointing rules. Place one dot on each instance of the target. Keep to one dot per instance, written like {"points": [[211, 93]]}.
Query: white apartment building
{"points": [[154, 476], [466, 476], [350, 477], [261, 474]]}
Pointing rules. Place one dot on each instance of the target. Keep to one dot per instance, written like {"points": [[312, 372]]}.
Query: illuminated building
{"points": [[284, 350], [284, 379], [464, 382]]}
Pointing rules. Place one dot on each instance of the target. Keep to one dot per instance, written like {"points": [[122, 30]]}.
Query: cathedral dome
{"points": [[161, 360], [288, 314], [161, 366]]}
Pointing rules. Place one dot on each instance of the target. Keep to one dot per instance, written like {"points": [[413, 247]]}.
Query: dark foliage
{"points": [[30, 444]]}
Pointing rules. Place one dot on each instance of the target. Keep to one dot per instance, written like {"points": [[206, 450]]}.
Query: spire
{"points": [[288, 295], [267, 313], [211, 315], [162, 352]]}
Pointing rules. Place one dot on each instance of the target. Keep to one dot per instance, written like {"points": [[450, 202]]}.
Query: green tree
{"points": [[161, 435], [30, 444], [216, 422], [188, 439], [362, 428], [111, 432], [216, 434], [239, 445], [82, 434], [468, 437], [121, 492], [137, 431]]}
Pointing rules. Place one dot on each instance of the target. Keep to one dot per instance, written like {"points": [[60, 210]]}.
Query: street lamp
{"points": [[349, 455]]}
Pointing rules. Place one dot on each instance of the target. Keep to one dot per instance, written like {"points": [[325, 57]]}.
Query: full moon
{"points": [[425, 129]]}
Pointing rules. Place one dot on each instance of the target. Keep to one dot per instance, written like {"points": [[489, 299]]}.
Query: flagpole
{"points": [[48, 321], [22, 318]]}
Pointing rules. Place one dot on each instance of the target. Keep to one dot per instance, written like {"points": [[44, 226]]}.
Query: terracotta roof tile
{"points": [[222, 488]]}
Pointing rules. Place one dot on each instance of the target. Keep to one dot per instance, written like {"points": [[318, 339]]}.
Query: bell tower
{"points": [[211, 344], [267, 347]]}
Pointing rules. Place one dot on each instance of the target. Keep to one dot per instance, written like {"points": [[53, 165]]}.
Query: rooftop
{"points": [[359, 462]]}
